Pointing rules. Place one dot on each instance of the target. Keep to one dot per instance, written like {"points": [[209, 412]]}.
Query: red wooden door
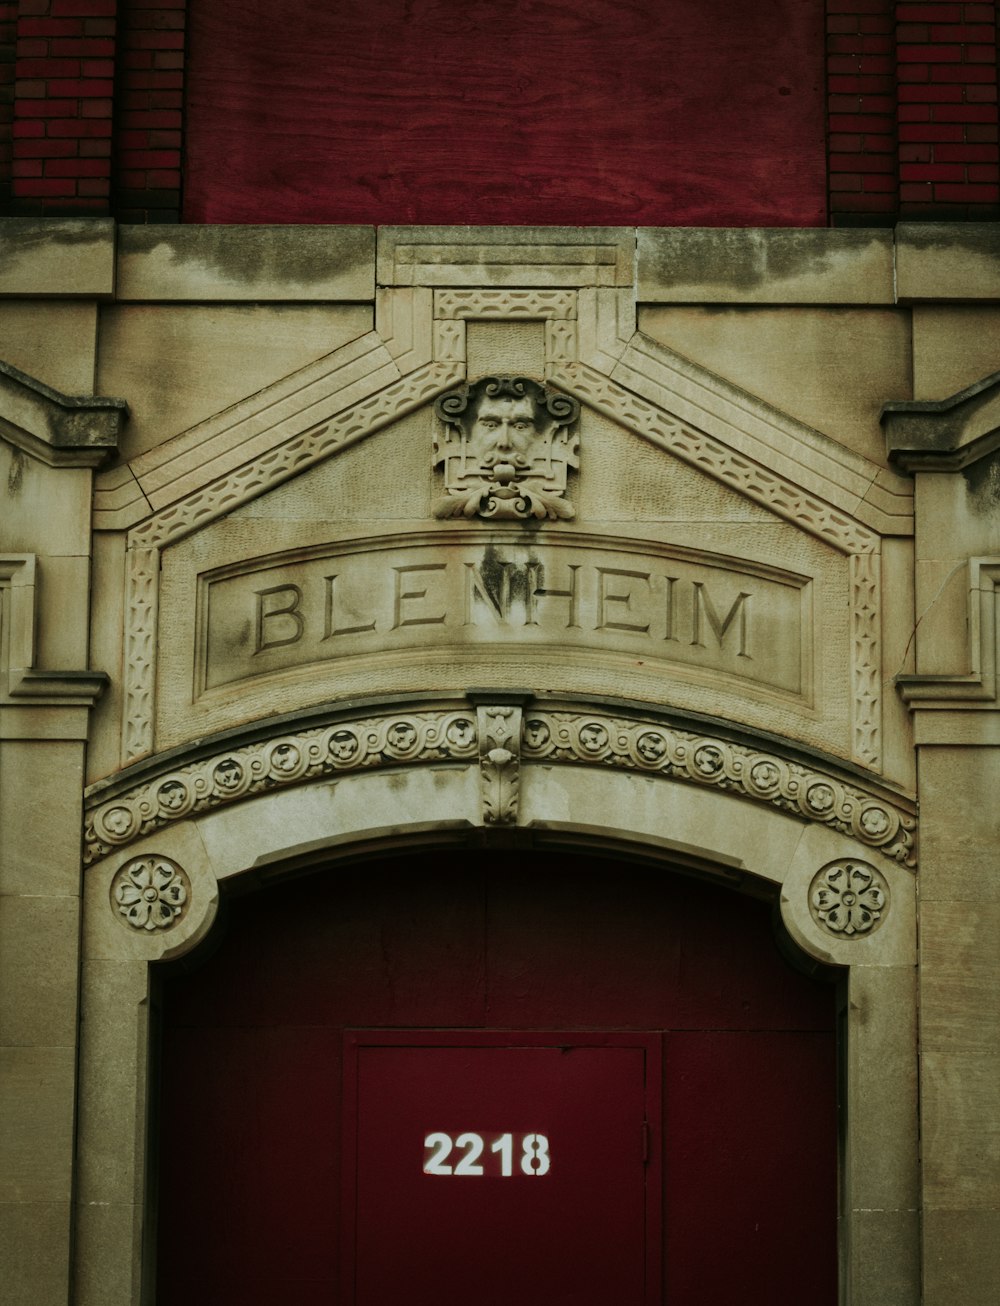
{"points": [[498, 1168], [258, 1194]]}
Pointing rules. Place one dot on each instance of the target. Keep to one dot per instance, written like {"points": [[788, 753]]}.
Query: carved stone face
{"points": [[503, 432]]}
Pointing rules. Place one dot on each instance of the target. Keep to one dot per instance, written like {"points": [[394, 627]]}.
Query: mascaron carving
{"points": [[151, 893], [506, 450], [848, 898]]}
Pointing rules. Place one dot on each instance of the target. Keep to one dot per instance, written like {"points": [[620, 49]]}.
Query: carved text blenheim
{"points": [[647, 601]]}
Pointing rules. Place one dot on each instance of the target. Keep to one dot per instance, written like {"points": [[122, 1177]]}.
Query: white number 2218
{"points": [[534, 1157]]}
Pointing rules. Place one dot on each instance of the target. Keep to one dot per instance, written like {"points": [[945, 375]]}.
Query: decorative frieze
{"points": [[638, 746], [288, 759], [866, 658], [502, 742], [848, 898]]}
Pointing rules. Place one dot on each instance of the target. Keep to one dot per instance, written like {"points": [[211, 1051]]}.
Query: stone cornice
{"points": [[944, 435], [59, 430]]}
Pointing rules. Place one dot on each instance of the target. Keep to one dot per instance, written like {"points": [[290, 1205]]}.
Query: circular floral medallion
{"points": [[151, 893], [116, 824], [173, 797], [536, 733], [401, 736], [651, 746], [820, 798], [460, 732], [286, 759], [764, 775], [593, 737], [343, 745], [848, 898], [708, 760], [229, 776]]}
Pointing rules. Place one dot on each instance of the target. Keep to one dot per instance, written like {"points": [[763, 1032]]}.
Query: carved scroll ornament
{"points": [[506, 450]]}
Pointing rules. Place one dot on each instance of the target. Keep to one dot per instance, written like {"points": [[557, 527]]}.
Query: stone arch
{"points": [[508, 768]]}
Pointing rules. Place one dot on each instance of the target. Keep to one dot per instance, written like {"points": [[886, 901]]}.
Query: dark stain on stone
{"points": [[259, 254], [746, 261], [982, 480], [972, 237], [23, 236], [16, 473]]}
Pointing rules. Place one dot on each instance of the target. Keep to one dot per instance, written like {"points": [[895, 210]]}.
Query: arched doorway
{"points": [[739, 1053]]}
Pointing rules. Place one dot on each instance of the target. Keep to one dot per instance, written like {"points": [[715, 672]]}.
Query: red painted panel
{"points": [[750, 1128], [443, 1224], [669, 112], [250, 1136]]}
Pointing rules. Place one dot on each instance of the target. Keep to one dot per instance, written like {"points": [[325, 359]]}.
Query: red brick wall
{"points": [[64, 88], [947, 110], [149, 112], [861, 104]]}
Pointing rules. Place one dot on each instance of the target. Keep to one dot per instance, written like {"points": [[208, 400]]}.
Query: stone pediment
{"points": [[662, 593]]}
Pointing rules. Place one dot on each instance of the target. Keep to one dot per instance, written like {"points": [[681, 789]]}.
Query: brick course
{"points": [[861, 81], [148, 135], [947, 169]]}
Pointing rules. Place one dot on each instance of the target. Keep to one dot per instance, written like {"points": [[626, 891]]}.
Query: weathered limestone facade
{"points": [[720, 583]]}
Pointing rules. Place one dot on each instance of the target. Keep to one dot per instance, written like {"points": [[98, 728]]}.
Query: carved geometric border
{"points": [[416, 737], [177, 520]]}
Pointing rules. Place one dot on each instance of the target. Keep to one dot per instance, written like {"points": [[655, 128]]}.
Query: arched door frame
{"points": [[164, 837]]}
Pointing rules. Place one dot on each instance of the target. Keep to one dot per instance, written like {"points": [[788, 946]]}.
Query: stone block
{"points": [[258, 263], [961, 1257], [960, 977], [831, 368], [947, 260], [34, 1253], [208, 357], [958, 826], [954, 346], [59, 258], [960, 1136], [37, 1110], [884, 1258], [39, 944], [757, 265], [881, 1109], [40, 805], [54, 342]]}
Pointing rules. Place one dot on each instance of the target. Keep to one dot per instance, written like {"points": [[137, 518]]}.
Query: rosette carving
{"points": [[151, 893], [848, 898]]}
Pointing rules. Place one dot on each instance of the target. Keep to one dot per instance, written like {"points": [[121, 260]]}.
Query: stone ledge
{"points": [[60, 430], [246, 263], [757, 265], [948, 261], [506, 256], [62, 258]]}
